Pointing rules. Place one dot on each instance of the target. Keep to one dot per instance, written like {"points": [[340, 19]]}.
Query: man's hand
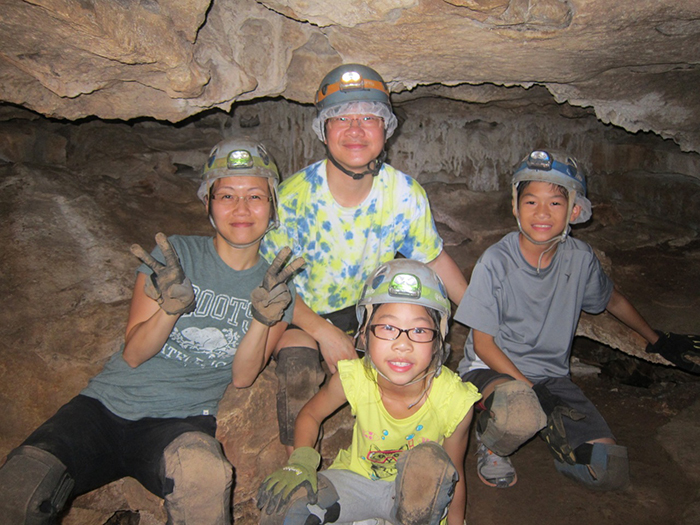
{"points": [[681, 350], [278, 487], [271, 298], [335, 345], [168, 285], [555, 432]]}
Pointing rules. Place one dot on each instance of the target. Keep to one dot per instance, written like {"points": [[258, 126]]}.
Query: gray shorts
{"points": [[591, 427]]}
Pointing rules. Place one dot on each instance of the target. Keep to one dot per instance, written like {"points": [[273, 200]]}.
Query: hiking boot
{"points": [[494, 470]]}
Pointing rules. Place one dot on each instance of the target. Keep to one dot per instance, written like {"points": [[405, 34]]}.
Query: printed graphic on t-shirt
{"points": [[210, 346]]}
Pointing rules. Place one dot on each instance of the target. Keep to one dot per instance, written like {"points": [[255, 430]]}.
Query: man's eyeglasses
{"points": [[391, 333], [253, 201], [367, 121]]}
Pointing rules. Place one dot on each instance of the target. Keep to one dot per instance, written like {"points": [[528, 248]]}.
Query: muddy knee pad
{"points": [[599, 466], [425, 485], [198, 480], [513, 415], [34, 487], [299, 374]]}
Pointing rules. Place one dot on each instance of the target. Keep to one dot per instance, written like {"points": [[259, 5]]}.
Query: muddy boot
{"points": [[299, 374]]}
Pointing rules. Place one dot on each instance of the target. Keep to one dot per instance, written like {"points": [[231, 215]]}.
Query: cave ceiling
{"points": [[635, 63]]}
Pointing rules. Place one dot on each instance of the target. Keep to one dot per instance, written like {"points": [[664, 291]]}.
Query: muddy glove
{"points": [[681, 350], [270, 299], [168, 285], [555, 433], [278, 487]]}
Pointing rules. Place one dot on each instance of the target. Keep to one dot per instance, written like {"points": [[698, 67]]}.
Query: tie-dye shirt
{"points": [[342, 246]]}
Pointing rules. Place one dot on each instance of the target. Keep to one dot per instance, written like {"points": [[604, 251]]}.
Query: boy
{"points": [[523, 304], [346, 215]]}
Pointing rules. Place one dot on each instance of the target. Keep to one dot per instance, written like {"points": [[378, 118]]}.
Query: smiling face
{"points": [[543, 209], [240, 208], [402, 360], [354, 146]]}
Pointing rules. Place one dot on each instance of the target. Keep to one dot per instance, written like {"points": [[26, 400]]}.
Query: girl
{"points": [[406, 405]]}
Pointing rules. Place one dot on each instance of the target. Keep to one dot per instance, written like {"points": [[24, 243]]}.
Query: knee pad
{"points": [[513, 415], [198, 480], [298, 511], [599, 466], [34, 487], [425, 485], [299, 374]]}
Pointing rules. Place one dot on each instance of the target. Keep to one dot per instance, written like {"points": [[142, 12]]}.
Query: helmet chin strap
{"points": [[373, 167]]}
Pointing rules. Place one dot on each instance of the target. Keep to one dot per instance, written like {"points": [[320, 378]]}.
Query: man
{"points": [[346, 215]]}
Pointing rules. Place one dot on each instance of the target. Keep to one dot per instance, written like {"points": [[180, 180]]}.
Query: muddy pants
{"points": [[163, 454]]}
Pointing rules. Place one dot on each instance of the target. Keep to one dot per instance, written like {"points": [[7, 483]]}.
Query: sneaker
{"points": [[494, 470]]}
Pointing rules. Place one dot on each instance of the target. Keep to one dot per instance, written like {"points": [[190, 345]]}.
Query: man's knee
{"points": [[599, 466], [512, 416], [34, 487], [425, 485], [299, 373], [198, 480]]}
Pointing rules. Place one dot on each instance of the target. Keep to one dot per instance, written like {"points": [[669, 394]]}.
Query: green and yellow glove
{"points": [[681, 350], [278, 487]]}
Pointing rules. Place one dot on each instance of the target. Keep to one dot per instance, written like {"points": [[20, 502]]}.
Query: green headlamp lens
{"points": [[405, 285], [239, 159]]}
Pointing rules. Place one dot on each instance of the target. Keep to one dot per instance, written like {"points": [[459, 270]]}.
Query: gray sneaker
{"points": [[494, 470]]}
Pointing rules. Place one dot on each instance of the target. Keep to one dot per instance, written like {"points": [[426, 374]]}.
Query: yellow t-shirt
{"points": [[378, 439]]}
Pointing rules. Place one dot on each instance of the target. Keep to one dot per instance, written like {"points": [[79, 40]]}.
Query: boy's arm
{"points": [[487, 350], [622, 309], [323, 404], [456, 448]]}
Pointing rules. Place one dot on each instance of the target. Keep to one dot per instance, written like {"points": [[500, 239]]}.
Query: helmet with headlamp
{"points": [[240, 157], [556, 168]]}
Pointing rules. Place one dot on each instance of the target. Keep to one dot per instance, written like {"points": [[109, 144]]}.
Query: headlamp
{"points": [[405, 285], [351, 80], [540, 160], [239, 159]]}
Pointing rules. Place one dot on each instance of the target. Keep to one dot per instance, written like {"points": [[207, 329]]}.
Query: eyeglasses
{"points": [[229, 199], [366, 121], [388, 332]]}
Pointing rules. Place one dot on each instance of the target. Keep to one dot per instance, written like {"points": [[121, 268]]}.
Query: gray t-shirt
{"points": [[191, 372], [532, 316]]}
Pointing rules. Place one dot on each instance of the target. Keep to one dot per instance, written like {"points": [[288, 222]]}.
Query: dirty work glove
{"points": [[555, 433], [167, 285], [681, 350], [278, 487], [270, 299]]}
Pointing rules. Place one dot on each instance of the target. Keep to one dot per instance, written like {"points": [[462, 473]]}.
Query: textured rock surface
{"points": [[634, 62]]}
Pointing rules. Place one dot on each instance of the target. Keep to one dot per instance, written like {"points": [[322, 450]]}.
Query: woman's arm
{"points": [[323, 404], [254, 352], [147, 328], [456, 448]]}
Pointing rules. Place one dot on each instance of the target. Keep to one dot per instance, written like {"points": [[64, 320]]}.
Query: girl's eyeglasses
{"points": [[391, 333]]}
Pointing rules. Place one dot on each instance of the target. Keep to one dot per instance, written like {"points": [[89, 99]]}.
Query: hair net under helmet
{"points": [[353, 89]]}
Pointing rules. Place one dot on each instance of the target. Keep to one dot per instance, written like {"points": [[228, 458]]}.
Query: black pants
{"points": [[98, 447]]}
